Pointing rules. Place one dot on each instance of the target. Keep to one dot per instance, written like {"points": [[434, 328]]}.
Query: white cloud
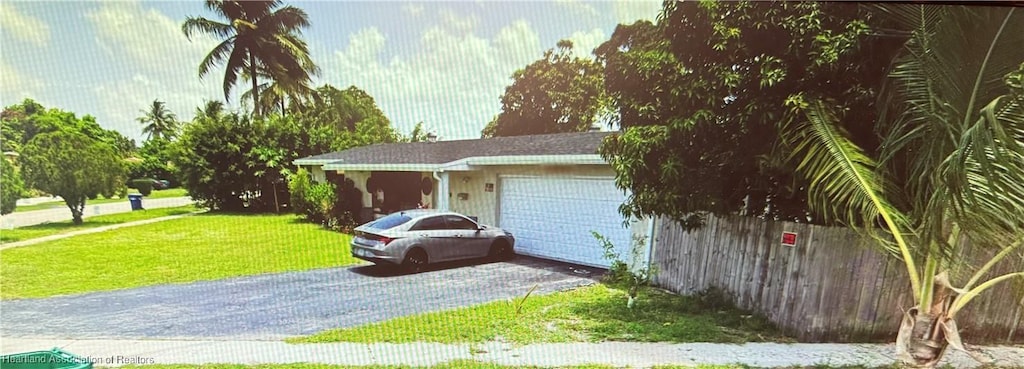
{"points": [[584, 43], [22, 26], [161, 63], [453, 83], [579, 8], [629, 11], [412, 9], [16, 86]]}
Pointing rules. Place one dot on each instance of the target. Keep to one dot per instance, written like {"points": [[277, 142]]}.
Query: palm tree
{"points": [[159, 121], [280, 90], [257, 37], [211, 109], [949, 170]]}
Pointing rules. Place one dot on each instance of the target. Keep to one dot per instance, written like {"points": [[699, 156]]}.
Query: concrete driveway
{"points": [[276, 306]]}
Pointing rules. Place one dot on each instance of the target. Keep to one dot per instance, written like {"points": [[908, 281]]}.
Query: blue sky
{"points": [[443, 63]]}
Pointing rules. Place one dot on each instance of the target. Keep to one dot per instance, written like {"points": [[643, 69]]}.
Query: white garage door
{"points": [[553, 217]]}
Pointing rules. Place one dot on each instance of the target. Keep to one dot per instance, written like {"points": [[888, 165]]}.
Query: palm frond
{"points": [[844, 182], [197, 25]]}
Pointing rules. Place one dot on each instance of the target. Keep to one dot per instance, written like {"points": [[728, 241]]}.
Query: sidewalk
{"points": [[33, 241], [619, 354], [27, 218]]}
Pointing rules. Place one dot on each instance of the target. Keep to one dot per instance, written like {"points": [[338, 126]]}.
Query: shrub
{"points": [[298, 186], [320, 199], [633, 276], [144, 185], [11, 187]]}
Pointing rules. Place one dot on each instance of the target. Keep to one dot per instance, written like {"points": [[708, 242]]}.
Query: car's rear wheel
{"points": [[501, 250], [415, 260]]}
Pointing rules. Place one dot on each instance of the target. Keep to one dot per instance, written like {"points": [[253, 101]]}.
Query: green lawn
{"points": [[172, 192], [593, 313], [47, 229], [199, 247]]}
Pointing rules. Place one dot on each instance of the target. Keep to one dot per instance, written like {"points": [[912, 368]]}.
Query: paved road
{"points": [[272, 307], [27, 218]]}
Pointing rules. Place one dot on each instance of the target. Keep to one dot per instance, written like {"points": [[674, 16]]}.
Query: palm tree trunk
{"points": [[924, 338], [255, 90]]}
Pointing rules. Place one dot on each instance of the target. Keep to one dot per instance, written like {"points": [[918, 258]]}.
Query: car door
{"points": [[469, 240], [432, 235]]}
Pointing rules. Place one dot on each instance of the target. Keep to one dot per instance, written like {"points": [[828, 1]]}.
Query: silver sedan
{"points": [[414, 238]]}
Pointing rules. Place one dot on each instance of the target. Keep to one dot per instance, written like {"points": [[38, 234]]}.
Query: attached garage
{"points": [[551, 191], [554, 217]]}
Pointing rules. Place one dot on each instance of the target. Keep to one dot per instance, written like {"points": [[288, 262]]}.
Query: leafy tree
{"points": [[155, 161], [418, 134], [70, 164], [950, 167], [699, 96], [558, 93], [212, 159], [259, 38], [12, 187], [159, 122], [22, 122], [345, 118]]}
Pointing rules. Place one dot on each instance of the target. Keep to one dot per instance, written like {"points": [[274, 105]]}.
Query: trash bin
{"points": [[52, 359], [136, 201]]}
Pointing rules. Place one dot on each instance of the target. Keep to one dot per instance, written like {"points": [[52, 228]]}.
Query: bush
{"points": [[11, 187], [633, 277], [298, 186], [144, 185], [320, 199]]}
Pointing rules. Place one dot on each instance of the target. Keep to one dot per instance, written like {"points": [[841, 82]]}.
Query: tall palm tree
{"points": [[211, 109], [278, 91], [159, 121], [257, 36], [950, 168]]}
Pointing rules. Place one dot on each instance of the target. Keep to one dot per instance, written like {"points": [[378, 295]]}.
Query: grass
{"points": [[56, 204], [199, 247], [593, 313], [47, 229]]}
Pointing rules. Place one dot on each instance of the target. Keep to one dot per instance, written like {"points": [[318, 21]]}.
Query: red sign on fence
{"points": [[788, 238]]}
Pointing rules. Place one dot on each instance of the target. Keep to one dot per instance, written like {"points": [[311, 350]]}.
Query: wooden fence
{"points": [[830, 286]]}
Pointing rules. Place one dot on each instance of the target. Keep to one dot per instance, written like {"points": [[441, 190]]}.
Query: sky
{"points": [[443, 63]]}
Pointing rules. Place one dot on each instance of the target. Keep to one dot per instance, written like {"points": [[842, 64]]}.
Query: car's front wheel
{"points": [[415, 260], [501, 250]]}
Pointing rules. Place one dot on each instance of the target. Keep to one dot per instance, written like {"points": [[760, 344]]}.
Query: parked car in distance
{"points": [[414, 238], [160, 184]]}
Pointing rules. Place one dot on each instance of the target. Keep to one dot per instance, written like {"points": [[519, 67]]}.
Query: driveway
{"points": [[276, 306], [27, 218]]}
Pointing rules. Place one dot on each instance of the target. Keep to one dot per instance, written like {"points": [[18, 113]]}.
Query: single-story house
{"points": [[549, 190]]}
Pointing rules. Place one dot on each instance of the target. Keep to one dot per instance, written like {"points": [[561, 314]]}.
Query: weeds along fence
{"points": [[830, 285]]}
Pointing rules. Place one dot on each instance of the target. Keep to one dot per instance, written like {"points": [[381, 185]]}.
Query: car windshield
{"points": [[390, 221]]}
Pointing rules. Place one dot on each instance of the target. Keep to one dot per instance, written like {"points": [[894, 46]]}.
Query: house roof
{"points": [[540, 148]]}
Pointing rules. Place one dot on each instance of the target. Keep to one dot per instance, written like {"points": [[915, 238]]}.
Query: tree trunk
{"points": [[255, 91], [921, 342], [277, 208], [77, 206], [923, 339]]}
